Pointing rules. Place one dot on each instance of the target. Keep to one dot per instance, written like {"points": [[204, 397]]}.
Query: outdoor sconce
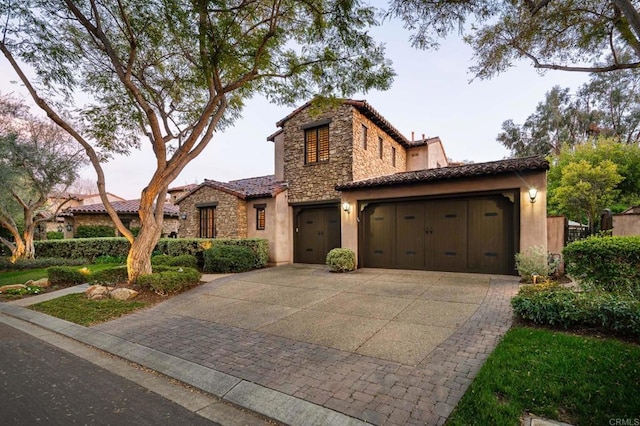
{"points": [[183, 216], [69, 227], [346, 207], [533, 193]]}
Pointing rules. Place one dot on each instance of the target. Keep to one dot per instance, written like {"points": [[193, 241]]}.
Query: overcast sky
{"points": [[431, 94]]}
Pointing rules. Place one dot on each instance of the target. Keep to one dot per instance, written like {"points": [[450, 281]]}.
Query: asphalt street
{"points": [[42, 384]]}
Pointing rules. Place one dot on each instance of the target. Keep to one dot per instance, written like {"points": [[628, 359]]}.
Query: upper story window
{"points": [[316, 144], [364, 136], [393, 156], [380, 147]]}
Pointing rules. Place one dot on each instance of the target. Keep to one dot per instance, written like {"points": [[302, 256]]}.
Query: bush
{"points": [[88, 248], [108, 259], [535, 261], [19, 292], [566, 308], [169, 280], [611, 264], [42, 262], [94, 231], [115, 275], [55, 235], [187, 260], [67, 275], [341, 260], [225, 259]]}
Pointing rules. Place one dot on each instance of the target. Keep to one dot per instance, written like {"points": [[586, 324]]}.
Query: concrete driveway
{"points": [[396, 315], [386, 347]]}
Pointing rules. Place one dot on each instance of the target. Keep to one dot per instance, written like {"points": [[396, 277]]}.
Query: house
{"points": [[96, 215], [173, 194], [346, 177], [66, 200]]}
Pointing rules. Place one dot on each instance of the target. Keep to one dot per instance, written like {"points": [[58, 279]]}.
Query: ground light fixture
{"points": [[533, 193]]}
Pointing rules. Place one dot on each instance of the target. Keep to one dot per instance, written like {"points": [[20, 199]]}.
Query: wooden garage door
{"points": [[317, 230], [463, 235]]}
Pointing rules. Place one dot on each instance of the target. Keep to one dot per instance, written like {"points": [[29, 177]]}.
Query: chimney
{"points": [[412, 133], [423, 139]]}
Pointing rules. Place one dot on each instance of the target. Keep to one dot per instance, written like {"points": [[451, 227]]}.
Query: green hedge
{"points": [[55, 235], [115, 275], [94, 231], [41, 262], [167, 280], [66, 275], [562, 307], [225, 259], [606, 263], [187, 260], [341, 260], [92, 248]]}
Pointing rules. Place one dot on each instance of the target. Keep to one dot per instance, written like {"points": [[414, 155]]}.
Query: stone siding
{"points": [[315, 182], [367, 163], [230, 216]]}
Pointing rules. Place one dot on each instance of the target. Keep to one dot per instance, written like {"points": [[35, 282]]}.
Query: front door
{"points": [[317, 231]]}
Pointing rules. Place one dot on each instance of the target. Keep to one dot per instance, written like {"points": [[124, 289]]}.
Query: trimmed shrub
{"points": [[534, 260], [66, 275], [169, 280], [341, 260], [94, 231], [88, 248], [42, 262], [105, 259], [228, 258], [611, 264], [187, 260], [563, 307], [115, 275], [55, 235]]}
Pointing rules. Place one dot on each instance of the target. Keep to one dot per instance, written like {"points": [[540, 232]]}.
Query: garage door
{"points": [[317, 230], [461, 235]]}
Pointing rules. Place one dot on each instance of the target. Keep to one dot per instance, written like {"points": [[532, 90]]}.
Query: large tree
{"points": [[569, 35], [35, 157], [174, 72]]}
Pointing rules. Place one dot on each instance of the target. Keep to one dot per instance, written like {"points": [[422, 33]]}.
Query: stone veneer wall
{"points": [[367, 163], [316, 182], [230, 217]]}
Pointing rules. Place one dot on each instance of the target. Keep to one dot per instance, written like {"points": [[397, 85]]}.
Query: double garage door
{"points": [[462, 235]]}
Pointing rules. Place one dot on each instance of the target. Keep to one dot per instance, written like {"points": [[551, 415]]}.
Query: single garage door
{"points": [[460, 235], [317, 231]]}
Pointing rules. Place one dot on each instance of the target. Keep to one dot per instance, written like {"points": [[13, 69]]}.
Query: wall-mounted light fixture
{"points": [[69, 227], [346, 207], [183, 216], [533, 193], [60, 229]]}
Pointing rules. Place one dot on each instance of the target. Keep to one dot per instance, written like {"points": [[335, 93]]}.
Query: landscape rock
{"points": [[42, 282], [11, 287], [123, 294], [96, 292]]}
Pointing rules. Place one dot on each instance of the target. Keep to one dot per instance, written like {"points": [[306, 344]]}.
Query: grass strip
{"points": [[575, 379], [78, 309]]}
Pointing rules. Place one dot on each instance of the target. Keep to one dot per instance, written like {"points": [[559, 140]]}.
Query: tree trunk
{"points": [[18, 252], [139, 258]]}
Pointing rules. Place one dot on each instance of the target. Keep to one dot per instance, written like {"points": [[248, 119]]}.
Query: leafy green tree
{"points": [[35, 157], [174, 72], [626, 157], [569, 35], [585, 190]]}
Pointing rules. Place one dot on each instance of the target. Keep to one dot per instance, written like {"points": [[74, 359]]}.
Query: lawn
{"points": [[576, 379], [20, 277], [78, 309]]}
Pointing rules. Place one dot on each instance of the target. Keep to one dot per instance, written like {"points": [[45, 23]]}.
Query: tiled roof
{"points": [[127, 206], [255, 187], [425, 141], [188, 187], [467, 170], [77, 196], [367, 110]]}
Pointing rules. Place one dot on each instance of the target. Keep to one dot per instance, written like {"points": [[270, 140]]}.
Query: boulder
{"points": [[96, 292], [42, 282], [123, 294], [11, 287]]}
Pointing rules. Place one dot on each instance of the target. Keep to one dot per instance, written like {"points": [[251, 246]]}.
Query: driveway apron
{"points": [[382, 346]]}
